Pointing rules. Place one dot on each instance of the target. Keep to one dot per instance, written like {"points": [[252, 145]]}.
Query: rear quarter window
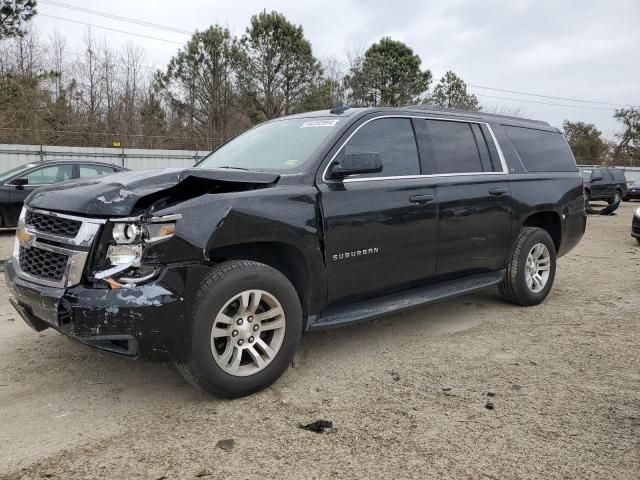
{"points": [[618, 175], [542, 151]]}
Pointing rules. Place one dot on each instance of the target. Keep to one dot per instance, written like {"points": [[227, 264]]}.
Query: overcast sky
{"points": [[583, 49]]}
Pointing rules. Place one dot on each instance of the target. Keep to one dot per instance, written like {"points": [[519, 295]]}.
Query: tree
{"points": [[451, 92], [200, 84], [585, 141], [388, 74], [627, 151], [280, 67], [14, 14]]}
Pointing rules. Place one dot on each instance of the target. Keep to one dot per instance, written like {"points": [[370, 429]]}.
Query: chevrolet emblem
{"points": [[24, 237]]}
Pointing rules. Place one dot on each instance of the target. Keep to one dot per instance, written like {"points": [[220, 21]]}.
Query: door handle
{"points": [[498, 191], [420, 199]]}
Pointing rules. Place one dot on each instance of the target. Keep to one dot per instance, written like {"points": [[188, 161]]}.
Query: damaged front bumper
{"points": [[150, 321]]}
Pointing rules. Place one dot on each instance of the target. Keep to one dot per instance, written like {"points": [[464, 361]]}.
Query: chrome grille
{"points": [[52, 248], [64, 227], [43, 263]]}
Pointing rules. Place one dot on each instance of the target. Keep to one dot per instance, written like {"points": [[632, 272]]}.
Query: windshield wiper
{"points": [[234, 168]]}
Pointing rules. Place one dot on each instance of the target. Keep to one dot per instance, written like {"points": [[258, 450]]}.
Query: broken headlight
{"points": [[126, 247]]}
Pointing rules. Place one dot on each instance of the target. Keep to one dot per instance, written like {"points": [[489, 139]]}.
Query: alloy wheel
{"points": [[537, 267], [248, 332]]}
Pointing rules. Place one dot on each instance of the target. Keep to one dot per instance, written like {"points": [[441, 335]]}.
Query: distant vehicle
{"points": [[16, 184], [602, 183], [633, 192], [635, 225], [633, 182]]}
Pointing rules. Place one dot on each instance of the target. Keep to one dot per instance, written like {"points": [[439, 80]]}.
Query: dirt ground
{"points": [[407, 394]]}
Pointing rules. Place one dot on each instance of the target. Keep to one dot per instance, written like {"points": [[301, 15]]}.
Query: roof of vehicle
{"points": [[436, 111]]}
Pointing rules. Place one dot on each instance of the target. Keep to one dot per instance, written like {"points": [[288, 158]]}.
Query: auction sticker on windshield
{"points": [[319, 123]]}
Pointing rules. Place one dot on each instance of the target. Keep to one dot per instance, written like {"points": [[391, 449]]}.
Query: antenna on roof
{"points": [[338, 108]]}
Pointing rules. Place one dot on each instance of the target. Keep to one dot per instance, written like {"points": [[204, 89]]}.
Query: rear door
{"points": [[38, 177], [475, 215], [380, 229]]}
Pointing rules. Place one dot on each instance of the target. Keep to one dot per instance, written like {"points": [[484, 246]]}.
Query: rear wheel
{"points": [[531, 269], [246, 328]]}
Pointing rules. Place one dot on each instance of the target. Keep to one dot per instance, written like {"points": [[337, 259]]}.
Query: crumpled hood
{"points": [[118, 194]]}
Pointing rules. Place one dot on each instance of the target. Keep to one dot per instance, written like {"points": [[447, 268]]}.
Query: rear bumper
{"points": [[152, 321], [633, 195]]}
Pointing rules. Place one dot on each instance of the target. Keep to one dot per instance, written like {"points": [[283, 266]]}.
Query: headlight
{"points": [[638, 212], [126, 232], [125, 250], [129, 255]]}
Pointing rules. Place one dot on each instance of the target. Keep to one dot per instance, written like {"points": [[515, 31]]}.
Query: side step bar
{"points": [[378, 307]]}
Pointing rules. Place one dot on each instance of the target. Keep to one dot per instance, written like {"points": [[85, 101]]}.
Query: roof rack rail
{"points": [[438, 108]]}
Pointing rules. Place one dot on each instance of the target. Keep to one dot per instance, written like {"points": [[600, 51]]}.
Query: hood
{"points": [[136, 192]]}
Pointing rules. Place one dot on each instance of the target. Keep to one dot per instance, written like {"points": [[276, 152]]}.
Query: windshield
{"points": [[281, 145], [4, 176]]}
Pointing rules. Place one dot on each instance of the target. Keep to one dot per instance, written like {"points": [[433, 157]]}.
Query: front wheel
{"points": [[531, 269], [247, 325]]}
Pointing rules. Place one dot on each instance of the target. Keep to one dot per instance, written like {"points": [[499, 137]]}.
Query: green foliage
{"points": [[14, 14], [585, 141], [279, 68], [627, 151], [200, 83], [451, 92], [389, 74]]}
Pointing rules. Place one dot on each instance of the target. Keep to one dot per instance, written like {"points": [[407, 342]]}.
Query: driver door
{"points": [[380, 228]]}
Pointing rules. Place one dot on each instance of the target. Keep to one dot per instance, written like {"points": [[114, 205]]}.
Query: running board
{"points": [[416, 297]]}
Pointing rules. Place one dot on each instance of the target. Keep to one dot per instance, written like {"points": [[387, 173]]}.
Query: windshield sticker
{"points": [[319, 123], [291, 163]]}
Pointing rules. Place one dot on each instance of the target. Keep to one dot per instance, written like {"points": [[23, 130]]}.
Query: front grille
{"points": [[43, 263], [63, 227], [635, 226]]}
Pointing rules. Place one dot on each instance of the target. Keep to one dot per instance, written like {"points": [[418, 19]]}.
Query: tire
{"points": [[514, 288], [208, 367], [616, 198], [587, 196]]}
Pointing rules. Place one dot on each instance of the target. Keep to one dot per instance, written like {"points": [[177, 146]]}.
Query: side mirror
{"points": [[356, 164], [20, 182], [596, 178]]}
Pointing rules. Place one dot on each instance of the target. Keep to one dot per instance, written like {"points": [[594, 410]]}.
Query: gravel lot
{"points": [[407, 394]]}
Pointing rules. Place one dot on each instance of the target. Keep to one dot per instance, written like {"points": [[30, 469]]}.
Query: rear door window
{"points": [[87, 171], [541, 150], [452, 147], [394, 140]]}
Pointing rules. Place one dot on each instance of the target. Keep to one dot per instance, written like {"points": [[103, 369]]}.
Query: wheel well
{"points": [[549, 221], [284, 257]]}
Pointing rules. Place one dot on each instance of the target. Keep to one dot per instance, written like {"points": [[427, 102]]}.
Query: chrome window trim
{"points": [[503, 162]]}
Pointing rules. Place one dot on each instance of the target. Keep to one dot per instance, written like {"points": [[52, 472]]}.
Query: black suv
{"points": [[302, 223], [603, 183]]}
